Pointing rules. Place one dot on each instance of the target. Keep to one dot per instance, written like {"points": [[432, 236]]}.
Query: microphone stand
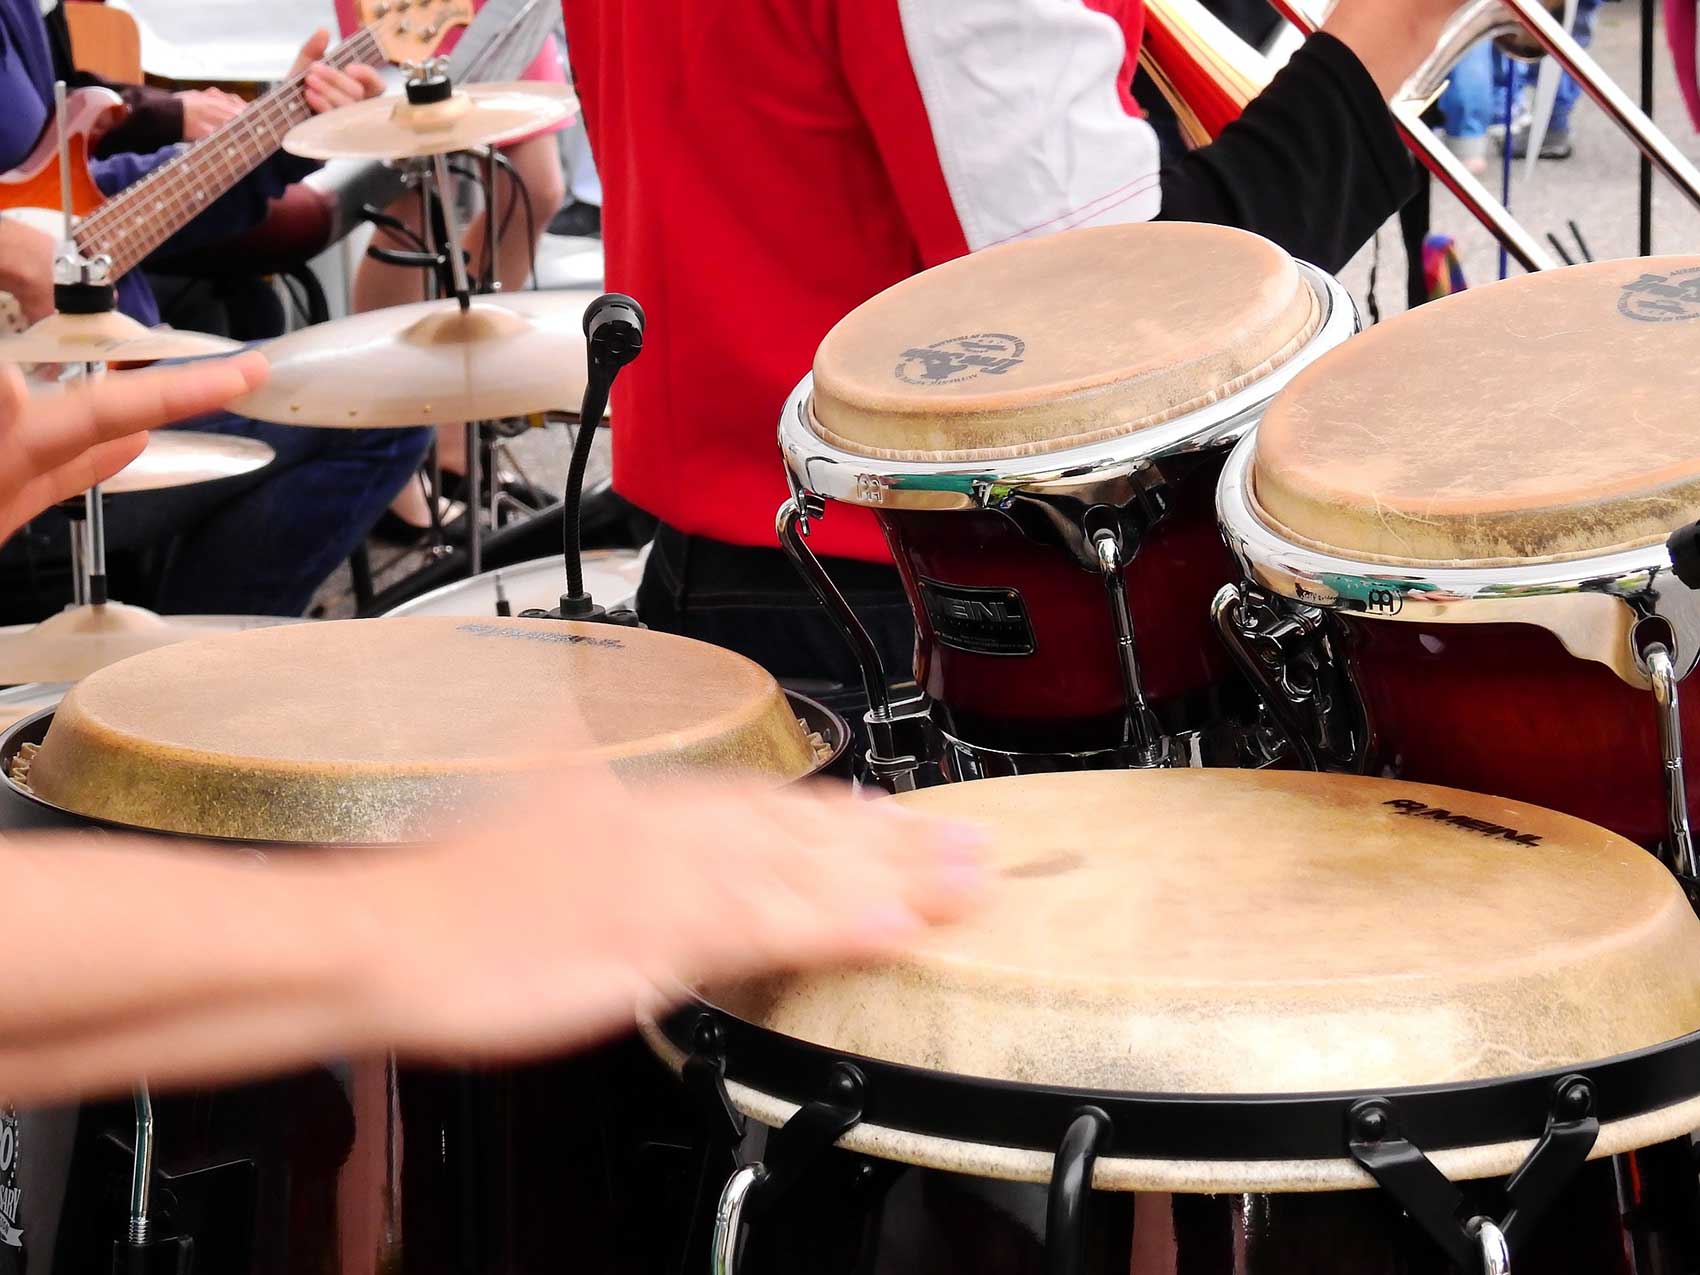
{"points": [[613, 327]]}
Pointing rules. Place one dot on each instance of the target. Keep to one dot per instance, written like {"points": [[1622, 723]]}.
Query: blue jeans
{"points": [[1568, 89], [260, 544], [1468, 102]]}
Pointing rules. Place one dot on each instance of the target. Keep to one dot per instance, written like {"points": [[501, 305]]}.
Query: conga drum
{"points": [[1038, 428], [1453, 536], [1216, 1022], [369, 734]]}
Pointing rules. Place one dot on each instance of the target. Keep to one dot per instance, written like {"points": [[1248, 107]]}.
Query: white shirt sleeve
{"points": [[1027, 118]]}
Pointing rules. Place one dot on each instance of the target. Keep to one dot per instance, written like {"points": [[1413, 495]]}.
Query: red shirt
{"points": [[767, 165]]}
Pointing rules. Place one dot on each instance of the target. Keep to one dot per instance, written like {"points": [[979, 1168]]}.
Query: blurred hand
{"points": [[545, 933], [205, 110], [26, 268], [327, 87], [56, 443]]}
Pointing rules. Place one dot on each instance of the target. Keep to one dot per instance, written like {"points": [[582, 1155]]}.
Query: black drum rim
{"points": [[1249, 1127]]}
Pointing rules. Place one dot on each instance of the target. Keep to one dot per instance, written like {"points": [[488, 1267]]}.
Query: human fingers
{"points": [[61, 424]]}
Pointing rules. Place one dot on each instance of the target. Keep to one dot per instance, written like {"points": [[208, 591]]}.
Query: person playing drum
{"points": [[186, 965]]}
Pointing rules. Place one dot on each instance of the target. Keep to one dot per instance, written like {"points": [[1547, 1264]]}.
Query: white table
{"points": [[225, 40]]}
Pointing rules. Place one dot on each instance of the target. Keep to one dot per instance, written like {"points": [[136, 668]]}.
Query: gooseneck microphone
{"points": [[613, 330]]}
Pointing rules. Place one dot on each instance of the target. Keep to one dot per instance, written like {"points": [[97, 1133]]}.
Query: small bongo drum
{"points": [[375, 732], [1474, 589], [1218, 1022], [1038, 428]]}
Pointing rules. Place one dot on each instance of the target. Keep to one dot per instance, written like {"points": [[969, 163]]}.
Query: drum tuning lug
{"points": [[1374, 1139]]}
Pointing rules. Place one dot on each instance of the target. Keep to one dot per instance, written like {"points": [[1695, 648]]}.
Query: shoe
{"points": [[1555, 145], [577, 220], [395, 530], [1471, 152]]}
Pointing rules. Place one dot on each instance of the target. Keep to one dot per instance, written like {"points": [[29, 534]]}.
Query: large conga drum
{"points": [[369, 734], [1453, 538], [1038, 428], [1219, 1022]]}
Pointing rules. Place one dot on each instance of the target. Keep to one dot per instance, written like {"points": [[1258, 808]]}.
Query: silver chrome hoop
{"points": [[816, 467], [1591, 605]]}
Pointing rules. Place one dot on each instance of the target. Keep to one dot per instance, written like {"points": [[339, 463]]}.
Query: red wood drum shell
{"points": [[1067, 694], [1505, 709]]}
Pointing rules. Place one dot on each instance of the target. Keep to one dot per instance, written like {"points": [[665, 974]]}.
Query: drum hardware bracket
{"points": [[895, 734], [1143, 733], [1375, 1141], [1281, 647], [811, 1131], [1088, 1137], [1661, 671]]}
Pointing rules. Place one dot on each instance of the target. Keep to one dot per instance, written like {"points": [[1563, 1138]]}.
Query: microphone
{"points": [[613, 332]]}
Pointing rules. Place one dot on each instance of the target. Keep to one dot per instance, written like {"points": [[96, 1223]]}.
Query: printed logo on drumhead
{"points": [[1487, 828], [1662, 298], [10, 1194], [961, 358]]}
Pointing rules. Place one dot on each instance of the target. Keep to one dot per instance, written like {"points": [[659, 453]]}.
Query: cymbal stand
{"points": [[82, 285]]}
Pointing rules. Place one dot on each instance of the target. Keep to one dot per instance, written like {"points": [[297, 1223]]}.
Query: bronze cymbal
{"points": [[178, 457], [428, 364], [107, 337], [71, 645], [391, 127]]}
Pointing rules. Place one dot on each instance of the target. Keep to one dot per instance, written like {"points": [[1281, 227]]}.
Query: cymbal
{"points": [[178, 457], [79, 640], [107, 337], [391, 127], [428, 364]]}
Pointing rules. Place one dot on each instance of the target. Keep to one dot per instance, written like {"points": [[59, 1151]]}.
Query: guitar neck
{"points": [[130, 225]]}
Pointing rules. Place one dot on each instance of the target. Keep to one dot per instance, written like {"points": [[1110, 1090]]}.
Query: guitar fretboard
{"points": [[137, 220]]}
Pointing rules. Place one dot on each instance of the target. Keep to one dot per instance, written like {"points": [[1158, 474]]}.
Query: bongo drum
{"points": [[1038, 428], [1216, 1022], [1474, 588], [371, 733]]}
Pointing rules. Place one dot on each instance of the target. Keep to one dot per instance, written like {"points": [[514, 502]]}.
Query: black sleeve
{"points": [[1314, 162], [156, 116]]}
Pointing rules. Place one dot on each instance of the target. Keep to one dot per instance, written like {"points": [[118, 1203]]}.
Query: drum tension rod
{"points": [[792, 1150], [1087, 1138], [1376, 1142]]}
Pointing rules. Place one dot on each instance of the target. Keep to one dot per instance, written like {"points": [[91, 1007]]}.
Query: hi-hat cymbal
{"points": [[428, 364], [391, 127], [107, 337], [178, 457], [79, 640]]}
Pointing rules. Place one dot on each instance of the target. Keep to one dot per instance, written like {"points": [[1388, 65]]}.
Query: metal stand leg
{"points": [[95, 520], [1663, 673], [1142, 733], [474, 514], [891, 764]]}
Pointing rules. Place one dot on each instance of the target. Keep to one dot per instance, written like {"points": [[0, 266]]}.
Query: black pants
{"points": [[754, 602]]}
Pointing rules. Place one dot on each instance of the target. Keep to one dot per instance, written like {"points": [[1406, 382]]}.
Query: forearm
{"points": [[1314, 163], [181, 964]]}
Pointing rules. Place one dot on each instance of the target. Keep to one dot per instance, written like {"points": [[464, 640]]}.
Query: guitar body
{"points": [[35, 182]]}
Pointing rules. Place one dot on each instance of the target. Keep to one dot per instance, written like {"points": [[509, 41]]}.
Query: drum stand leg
{"points": [[895, 734], [1142, 733], [1662, 672]]}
